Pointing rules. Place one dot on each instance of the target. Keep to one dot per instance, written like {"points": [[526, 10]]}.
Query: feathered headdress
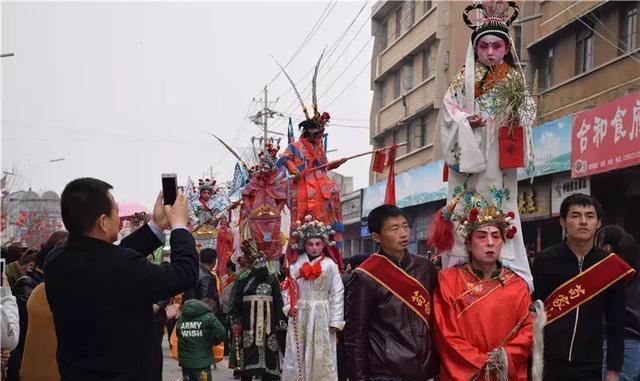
{"points": [[206, 184], [250, 250], [318, 120], [269, 155]]}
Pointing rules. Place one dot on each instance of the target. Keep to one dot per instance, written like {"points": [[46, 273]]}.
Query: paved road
{"points": [[171, 370]]}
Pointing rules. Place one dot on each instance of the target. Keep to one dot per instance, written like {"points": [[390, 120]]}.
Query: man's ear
{"points": [[563, 223], [375, 237], [102, 222]]}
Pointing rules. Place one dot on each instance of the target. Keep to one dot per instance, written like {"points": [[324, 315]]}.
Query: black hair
{"points": [[379, 215], [357, 260], [622, 243], [208, 256], [231, 266], [582, 200], [48, 247], [82, 202]]}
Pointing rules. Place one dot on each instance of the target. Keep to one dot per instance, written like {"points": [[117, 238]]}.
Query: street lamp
{"points": [[32, 167]]}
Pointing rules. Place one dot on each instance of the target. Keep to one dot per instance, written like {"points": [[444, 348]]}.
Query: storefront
{"points": [[606, 147], [351, 206]]}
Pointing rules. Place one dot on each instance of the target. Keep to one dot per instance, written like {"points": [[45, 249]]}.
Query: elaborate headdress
{"points": [[318, 121], [269, 155], [312, 228], [206, 184], [495, 19], [250, 250], [465, 213]]}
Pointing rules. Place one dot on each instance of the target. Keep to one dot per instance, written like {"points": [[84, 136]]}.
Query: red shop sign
{"points": [[606, 137]]}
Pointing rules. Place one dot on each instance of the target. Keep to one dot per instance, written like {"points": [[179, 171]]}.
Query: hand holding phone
{"points": [[169, 188]]}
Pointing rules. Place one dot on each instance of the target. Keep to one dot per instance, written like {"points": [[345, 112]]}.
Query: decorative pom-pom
{"points": [[441, 235]]}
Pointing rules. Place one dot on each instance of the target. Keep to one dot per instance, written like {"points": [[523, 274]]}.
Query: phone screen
{"points": [[169, 188]]}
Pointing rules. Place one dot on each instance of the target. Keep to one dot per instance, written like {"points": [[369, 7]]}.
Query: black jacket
{"points": [[382, 336], [101, 297], [205, 287], [580, 342]]}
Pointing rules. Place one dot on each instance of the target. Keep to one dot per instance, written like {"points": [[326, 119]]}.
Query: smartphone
{"points": [[169, 188]]}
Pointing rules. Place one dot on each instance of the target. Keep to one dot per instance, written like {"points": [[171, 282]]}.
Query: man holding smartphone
{"points": [[101, 295]]}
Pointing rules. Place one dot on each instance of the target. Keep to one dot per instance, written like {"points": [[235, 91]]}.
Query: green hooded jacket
{"points": [[198, 330]]}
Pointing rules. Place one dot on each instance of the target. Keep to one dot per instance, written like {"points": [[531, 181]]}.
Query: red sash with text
{"points": [[405, 287], [585, 286]]}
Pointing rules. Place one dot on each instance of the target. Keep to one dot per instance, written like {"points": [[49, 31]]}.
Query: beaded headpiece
{"points": [[269, 155], [206, 184], [495, 18], [312, 228]]}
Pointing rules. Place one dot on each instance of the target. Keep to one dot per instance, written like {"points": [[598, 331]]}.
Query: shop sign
{"points": [[552, 147], [364, 230], [606, 137], [534, 200], [351, 209], [562, 186]]}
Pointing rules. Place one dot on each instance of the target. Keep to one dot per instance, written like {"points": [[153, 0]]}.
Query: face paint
{"points": [[491, 50], [314, 246]]}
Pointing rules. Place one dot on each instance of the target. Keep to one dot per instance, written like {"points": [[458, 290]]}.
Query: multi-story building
{"points": [[585, 58]]}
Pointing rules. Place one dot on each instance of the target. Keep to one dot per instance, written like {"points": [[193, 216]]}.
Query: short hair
{"points": [[379, 215], [208, 256], [82, 202], [582, 200], [48, 247], [212, 305], [231, 266], [29, 256]]}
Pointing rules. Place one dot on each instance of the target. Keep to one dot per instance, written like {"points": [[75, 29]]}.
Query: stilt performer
{"points": [[312, 191], [485, 128], [206, 202]]}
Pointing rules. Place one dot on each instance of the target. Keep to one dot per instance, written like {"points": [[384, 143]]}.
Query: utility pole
{"points": [[261, 118]]}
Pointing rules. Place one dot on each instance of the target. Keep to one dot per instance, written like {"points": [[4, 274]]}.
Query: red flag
{"points": [[379, 158], [390, 195]]}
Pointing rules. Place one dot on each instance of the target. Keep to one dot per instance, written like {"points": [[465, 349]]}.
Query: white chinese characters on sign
{"points": [[600, 128], [635, 126], [617, 124], [582, 135]]}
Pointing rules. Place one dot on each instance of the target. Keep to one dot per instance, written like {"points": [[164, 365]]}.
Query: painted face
{"points": [[265, 167], [259, 263], [491, 50], [485, 244], [394, 235], [224, 224], [314, 246], [205, 194], [581, 223]]}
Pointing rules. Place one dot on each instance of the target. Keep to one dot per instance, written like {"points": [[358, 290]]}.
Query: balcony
{"points": [[410, 41], [559, 14], [413, 101]]}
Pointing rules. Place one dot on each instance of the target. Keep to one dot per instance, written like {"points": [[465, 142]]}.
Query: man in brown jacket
{"points": [[388, 314]]}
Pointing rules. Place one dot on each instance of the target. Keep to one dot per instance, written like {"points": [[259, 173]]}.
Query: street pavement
{"points": [[171, 370]]}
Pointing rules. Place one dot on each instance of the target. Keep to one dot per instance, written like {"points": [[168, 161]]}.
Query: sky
{"points": [[129, 90]]}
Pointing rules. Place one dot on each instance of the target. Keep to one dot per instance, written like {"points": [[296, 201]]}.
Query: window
{"points": [[383, 93], [420, 132], [517, 40], [396, 136], [546, 70], [408, 75], [426, 64], [398, 22], [384, 34], [628, 28], [426, 6], [396, 84], [410, 142], [584, 59], [411, 13]]}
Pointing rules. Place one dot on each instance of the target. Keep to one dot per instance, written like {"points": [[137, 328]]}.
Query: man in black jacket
{"points": [[101, 295], [573, 342], [206, 287]]}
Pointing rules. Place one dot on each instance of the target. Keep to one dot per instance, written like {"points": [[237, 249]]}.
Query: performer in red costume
{"points": [[224, 246], [312, 191], [483, 324]]}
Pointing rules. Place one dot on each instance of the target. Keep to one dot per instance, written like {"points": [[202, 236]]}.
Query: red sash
{"points": [[405, 287], [585, 286]]}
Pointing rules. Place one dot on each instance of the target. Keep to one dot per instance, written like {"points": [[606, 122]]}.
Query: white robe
{"points": [[320, 305], [473, 156]]}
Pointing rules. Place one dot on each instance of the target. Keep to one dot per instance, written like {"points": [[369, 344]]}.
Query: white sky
{"points": [[126, 91]]}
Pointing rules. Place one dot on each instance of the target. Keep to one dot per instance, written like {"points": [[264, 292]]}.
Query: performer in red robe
{"points": [[483, 322], [224, 246]]}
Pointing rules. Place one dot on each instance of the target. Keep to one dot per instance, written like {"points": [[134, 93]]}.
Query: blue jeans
{"points": [[631, 365]]}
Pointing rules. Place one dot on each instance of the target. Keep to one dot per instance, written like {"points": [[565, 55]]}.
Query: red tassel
{"points": [[445, 173], [441, 235]]}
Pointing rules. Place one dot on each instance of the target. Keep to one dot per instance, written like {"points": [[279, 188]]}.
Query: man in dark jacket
{"points": [[573, 341], [101, 295], [206, 286], [386, 338]]}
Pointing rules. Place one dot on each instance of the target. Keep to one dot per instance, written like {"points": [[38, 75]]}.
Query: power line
{"points": [[348, 85]]}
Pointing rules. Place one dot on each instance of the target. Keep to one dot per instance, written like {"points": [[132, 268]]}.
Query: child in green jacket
{"points": [[198, 330]]}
